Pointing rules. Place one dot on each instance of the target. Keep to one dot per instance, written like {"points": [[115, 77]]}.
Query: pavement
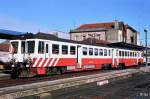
{"points": [[137, 87]]}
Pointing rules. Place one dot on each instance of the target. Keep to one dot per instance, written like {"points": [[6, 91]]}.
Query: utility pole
{"points": [[146, 45]]}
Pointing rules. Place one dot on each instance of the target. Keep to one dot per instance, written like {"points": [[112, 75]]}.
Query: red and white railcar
{"points": [[36, 56]]}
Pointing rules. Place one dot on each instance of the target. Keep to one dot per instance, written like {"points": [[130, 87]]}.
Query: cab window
{"points": [[41, 47], [31, 46]]}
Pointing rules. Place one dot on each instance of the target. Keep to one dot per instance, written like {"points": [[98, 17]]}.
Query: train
{"points": [[41, 55]]}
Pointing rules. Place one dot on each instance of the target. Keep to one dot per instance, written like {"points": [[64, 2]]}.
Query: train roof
{"points": [[87, 42]]}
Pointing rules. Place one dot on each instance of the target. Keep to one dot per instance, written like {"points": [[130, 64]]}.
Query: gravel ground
{"points": [[137, 87]]}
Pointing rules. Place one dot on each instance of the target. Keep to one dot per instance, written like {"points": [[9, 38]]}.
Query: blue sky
{"points": [[63, 15]]}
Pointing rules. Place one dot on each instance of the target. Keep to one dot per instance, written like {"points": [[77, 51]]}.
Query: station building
{"points": [[112, 32]]}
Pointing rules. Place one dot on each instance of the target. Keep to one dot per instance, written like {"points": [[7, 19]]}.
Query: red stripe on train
{"points": [[44, 62], [54, 61], [39, 62], [48, 62], [34, 59]]}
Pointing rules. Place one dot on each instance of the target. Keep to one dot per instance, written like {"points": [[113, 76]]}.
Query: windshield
{"points": [[31, 45], [14, 47]]}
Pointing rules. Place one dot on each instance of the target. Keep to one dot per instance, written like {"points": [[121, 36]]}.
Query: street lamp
{"points": [[146, 45]]}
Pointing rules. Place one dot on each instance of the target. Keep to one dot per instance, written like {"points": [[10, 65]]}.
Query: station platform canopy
{"points": [[126, 45]]}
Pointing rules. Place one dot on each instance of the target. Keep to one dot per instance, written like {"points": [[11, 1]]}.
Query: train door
{"points": [[79, 56], [115, 57], [47, 50]]}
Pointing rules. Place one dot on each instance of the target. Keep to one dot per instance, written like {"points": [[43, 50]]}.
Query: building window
{"points": [[96, 51], [84, 51], [64, 49], [72, 50], [41, 47], [90, 51], [132, 39], [76, 37], [84, 37], [55, 49]]}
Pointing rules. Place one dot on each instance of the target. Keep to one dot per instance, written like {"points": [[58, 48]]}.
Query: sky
{"points": [[64, 15]]}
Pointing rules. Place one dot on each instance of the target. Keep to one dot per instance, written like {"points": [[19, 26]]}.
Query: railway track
{"points": [[13, 82]]}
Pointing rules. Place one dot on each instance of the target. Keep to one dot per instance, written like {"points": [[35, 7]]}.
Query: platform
{"points": [[45, 88]]}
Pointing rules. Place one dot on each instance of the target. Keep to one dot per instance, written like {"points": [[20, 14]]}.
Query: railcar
{"points": [[36, 56]]}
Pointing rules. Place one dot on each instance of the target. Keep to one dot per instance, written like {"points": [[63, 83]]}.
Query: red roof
{"points": [[97, 25], [4, 47]]}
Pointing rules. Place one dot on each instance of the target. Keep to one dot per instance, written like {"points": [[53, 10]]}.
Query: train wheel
{"points": [[15, 73]]}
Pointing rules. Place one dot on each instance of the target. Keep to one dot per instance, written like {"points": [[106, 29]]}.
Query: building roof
{"points": [[97, 25], [94, 27]]}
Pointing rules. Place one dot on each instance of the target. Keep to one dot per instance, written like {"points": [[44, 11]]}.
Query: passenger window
{"points": [[64, 49], [84, 51], [119, 53], [109, 52], [125, 53], [105, 52], [96, 51], [90, 51], [46, 48], [101, 52], [41, 47], [122, 53], [130, 53], [72, 50], [55, 49]]}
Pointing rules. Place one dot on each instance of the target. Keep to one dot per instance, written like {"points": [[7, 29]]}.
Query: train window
{"points": [[84, 51], [23, 47], [72, 50], [46, 48], [14, 47], [135, 54], [31, 45], [122, 53], [105, 52], [64, 49], [90, 51], [101, 52], [109, 52], [41, 47], [125, 53], [119, 53], [130, 53], [96, 51], [55, 49]]}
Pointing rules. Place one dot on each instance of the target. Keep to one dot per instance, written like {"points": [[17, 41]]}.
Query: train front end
{"points": [[21, 57]]}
